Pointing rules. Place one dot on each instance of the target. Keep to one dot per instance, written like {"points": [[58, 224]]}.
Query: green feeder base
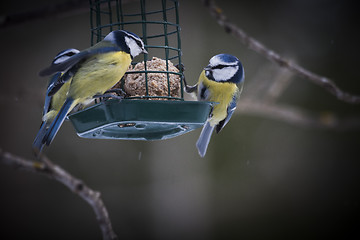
{"points": [[140, 119]]}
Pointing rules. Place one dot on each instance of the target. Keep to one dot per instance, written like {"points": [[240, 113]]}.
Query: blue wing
{"points": [[73, 60], [38, 144], [58, 121], [58, 84], [48, 98]]}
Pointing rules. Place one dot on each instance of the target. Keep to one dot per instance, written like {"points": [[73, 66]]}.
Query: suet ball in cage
{"points": [[135, 84]]}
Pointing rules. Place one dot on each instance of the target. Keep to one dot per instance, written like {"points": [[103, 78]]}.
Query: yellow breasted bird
{"points": [[93, 71], [218, 83]]}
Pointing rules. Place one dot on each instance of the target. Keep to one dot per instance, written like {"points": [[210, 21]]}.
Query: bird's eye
{"points": [[139, 43]]}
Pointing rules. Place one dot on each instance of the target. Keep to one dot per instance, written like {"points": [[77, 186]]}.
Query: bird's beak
{"points": [[144, 51]]}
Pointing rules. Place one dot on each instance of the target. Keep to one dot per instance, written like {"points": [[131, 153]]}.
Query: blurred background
{"points": [[262, 178]]}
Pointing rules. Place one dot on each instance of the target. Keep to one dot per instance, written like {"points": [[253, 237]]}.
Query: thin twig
{"points": [[263, 91], [293, 115], [51, 170], [258, 47], [268, 84]]}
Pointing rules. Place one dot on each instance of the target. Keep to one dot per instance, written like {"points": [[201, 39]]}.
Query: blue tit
{"points": [[53, 103], [92, 72], [218, 83]]}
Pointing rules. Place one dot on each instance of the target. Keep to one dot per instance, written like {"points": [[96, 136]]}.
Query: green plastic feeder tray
{"points": [[140, 119]]}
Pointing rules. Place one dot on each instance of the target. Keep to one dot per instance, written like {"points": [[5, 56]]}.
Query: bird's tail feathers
{"points": [[38, 144], [204, 138], [58, 121]]}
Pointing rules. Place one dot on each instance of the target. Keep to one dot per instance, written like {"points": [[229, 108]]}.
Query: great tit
{"points": [[92, 72], [218, 83], [53, 103]]}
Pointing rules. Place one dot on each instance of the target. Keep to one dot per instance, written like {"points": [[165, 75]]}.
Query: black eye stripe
{"points": [[138, 42], [221, 66]]}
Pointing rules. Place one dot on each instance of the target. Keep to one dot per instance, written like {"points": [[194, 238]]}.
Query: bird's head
{"points": [[225, 68]]}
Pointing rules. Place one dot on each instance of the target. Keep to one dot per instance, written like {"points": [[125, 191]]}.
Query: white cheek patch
{"points": [[134, 48], [224, 74]]}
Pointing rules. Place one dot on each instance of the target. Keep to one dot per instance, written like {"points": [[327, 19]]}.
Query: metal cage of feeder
{"points": [[148, 116]]}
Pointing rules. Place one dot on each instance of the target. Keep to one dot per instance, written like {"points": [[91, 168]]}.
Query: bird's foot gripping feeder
{"points": [[154, 106]]}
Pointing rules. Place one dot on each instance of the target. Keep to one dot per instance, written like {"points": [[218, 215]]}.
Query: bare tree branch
{"points": [[268, 83], [258, 47], [266, 87], [51, 170], [293, 115]]}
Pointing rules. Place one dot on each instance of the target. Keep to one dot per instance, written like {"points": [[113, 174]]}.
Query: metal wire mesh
{"points": [[156, 22]]}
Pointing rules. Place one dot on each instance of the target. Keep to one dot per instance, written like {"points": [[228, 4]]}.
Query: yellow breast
{"points": [[98, 74], [220, 92]]}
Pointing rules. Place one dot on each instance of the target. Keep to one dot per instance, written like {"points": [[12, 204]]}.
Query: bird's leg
{"points": [[118, 91], [108, 95], [181, 67], [115, 93], [187, 88]]}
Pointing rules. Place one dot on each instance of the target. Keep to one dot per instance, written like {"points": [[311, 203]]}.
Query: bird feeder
{"points": [[153, 106]]}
